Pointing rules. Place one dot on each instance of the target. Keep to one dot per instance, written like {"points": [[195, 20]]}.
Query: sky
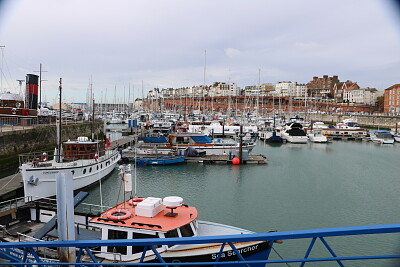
{"points": [[122, 44]]}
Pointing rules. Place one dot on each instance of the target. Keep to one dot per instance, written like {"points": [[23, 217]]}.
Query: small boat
{"points": [[162, 160], [382, 137], [316, 136]]}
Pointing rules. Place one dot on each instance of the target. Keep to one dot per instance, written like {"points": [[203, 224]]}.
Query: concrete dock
{"points": [[11, 187]]}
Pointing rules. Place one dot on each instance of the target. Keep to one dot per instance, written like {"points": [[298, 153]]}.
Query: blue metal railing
{"points": [[314, 235]]}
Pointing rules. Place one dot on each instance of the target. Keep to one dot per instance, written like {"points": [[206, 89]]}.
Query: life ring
{"points": [[14, 111], [134, 201], [96, 157], [44, 156], [114, 214]]}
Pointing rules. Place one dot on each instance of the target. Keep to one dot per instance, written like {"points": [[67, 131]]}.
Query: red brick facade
{"points": [[392, 99]]}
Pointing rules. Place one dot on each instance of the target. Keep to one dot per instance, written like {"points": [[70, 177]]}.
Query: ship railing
{"points": [[228, 247], [45, 158]]}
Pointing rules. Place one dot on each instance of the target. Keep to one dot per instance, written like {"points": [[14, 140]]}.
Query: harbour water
{"points": [[302, 186]]}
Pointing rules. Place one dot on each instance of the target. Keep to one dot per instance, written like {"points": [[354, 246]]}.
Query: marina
{"points": [[147, 134]]}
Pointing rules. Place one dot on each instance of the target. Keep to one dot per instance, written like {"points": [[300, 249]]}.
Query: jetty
{"points": [[210, 159]]}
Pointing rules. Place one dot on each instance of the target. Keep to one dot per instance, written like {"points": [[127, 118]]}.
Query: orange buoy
{"points": [[135, 201], [235, 161]]}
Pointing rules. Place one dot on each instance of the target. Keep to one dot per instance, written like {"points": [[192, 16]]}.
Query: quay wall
{"points": [[40, 137], [363, 120]]}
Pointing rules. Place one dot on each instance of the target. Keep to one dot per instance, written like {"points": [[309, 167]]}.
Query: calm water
{"points": [[344, 183]]}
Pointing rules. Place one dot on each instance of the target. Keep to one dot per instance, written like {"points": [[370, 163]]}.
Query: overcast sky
{"points": [[162, 43]]}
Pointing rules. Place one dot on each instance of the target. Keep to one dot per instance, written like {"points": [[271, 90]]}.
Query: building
{"points": [[322, 87], [224, 89], [364, 96], [290, 89], [391, 101]]}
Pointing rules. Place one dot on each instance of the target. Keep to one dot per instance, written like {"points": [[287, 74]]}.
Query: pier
{"points": [[210, 159]]}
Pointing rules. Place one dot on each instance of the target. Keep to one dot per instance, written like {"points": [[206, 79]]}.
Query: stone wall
{"points": [[42, 137], [363, 120]]}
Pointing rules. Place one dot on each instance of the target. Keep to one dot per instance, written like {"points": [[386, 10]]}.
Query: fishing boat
{"points": [[162, 160], [87, 160], [134, 218]]}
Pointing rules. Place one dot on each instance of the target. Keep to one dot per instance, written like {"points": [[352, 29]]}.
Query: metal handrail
{"points": [[229, 239]]}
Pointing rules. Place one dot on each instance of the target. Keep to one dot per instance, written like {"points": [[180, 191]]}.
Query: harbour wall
{"points": [[40, 137], [369, 121]]}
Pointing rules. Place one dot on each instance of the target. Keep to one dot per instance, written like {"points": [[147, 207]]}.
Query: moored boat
{"points": [[162, 160], [382, 137], [87, 160]]}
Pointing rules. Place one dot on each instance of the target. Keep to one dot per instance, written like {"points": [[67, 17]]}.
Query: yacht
{"points": [[382, 137], [294, 133]]}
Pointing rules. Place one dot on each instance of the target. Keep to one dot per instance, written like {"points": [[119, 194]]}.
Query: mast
{"points": [[59, 124]]}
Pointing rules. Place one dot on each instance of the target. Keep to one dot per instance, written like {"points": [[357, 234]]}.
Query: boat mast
{"points": [[59, 124]]}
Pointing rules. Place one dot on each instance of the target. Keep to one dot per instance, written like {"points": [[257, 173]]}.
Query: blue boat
{"points": [[163, 160]]}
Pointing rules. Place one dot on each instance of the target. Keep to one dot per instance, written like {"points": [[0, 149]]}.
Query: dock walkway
{"points": [[11, 186], [213, 159]]}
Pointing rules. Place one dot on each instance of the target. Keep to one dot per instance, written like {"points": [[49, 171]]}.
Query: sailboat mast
{"points": [[59, 124]]}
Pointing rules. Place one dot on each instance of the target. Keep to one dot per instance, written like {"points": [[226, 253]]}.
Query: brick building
{"points": [[391, 103], [322, 86]]}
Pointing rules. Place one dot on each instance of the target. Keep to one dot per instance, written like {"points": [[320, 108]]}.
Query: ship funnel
{"points": [[31, 95]]}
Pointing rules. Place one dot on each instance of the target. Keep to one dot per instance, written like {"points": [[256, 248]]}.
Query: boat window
{"points": [[84, 171], [186, 230], [97, 167], [172, 233], [114, 234], [74, 147], [137, 249], [90, 170]]}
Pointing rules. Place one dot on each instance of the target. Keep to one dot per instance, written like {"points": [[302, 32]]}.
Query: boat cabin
{"points": [[83, 148], [189, 139], [140, 218]]}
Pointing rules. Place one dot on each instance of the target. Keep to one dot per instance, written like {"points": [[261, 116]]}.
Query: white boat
{"points": [[88, 161], [319, 125], [294, 133], [348, 124], [382, 137], [316, 136], [396, 137]]}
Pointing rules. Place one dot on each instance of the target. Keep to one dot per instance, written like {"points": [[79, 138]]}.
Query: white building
{"points": [[366, 96], [224, 89], [290, 89]]}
